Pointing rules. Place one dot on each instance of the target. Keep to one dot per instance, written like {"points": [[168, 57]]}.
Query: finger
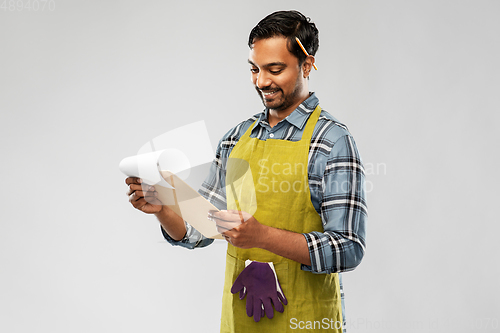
{"points": [[223, 220], [240, 215], [153, 199], [268, 308], [226, 226], [237, 285], [282, 298], [230, 235], [132, 188], [234, 215], [257, 310], [133, 180], [143, 188], [139, 187], [133, 198], [281, 295], [222, 230], [249, 305], [243, 292], [219, 217], [225, 216], [137, 201], [148, 188], [138, 193], [277, 304], [141, 202]]}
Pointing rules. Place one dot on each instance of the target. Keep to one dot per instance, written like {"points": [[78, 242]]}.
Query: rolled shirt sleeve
{"points": [[191, 240], [341, 245]]}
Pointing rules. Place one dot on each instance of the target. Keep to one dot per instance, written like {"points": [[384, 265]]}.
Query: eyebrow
{"points": [[272, 64]]}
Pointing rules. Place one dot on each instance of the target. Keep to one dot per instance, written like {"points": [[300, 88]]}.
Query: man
{"points": [[306, 213]]}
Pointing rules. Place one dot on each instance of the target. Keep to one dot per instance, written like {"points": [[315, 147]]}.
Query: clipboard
{"points": [[188, 204]]}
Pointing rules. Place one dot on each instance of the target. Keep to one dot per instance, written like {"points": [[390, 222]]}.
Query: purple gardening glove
{"points": [[259, 282]]}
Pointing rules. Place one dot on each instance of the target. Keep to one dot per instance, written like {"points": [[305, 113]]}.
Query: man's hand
{"points": [[244, 231], [145, 201], [239, 228]]}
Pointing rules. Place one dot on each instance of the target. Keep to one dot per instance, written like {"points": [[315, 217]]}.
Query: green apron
{"points": [[283, 200]]}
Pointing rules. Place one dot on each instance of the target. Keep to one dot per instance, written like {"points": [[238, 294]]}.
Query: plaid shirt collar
{"points": [[297, 118]]}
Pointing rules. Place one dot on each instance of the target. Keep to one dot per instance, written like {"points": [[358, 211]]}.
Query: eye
{"points": [[276, 72], [254, 70]]}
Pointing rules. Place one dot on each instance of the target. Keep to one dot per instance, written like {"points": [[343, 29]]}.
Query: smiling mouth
{"points": [[269, 94]]}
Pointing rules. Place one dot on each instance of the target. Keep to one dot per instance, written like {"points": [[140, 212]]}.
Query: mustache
{"points": [[267, 89]]}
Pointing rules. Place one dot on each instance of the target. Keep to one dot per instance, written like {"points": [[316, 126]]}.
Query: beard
{"points": [[282, 101]]}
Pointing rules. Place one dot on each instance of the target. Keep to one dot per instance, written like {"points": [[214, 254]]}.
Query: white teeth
{"points": [[268, 93]]}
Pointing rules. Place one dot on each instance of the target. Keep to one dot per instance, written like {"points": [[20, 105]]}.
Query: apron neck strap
{"points": [[311, 123], [308, 131]]}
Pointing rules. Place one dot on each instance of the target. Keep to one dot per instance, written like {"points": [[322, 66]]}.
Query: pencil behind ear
{"points": [[307, 54]]}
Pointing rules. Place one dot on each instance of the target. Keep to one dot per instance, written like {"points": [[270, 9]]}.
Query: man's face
{"points": [[276, 74]]}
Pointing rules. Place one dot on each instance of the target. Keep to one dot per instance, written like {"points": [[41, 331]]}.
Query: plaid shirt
{"points": [[336, 181]]}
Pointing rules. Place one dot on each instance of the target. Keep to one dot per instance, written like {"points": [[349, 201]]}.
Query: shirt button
{"points": [[271, 135]]}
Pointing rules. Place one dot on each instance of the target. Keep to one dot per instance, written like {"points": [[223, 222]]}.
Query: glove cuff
{"points": [[278, 286]]}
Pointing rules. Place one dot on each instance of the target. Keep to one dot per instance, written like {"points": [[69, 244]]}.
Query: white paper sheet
{"points": [[188, 204], [146, 166], [172, 190]]}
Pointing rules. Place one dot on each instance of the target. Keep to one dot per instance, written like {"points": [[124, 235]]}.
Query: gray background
{"points": [[88, 83]]}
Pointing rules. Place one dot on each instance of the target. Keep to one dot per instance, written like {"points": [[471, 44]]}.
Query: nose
{"points": [[262, 80]]}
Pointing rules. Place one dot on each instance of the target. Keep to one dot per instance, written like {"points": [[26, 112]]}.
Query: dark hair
{"points": [[289, 24]]}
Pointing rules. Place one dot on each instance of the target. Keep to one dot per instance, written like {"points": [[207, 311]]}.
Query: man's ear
{"points": [[307, 65]]}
